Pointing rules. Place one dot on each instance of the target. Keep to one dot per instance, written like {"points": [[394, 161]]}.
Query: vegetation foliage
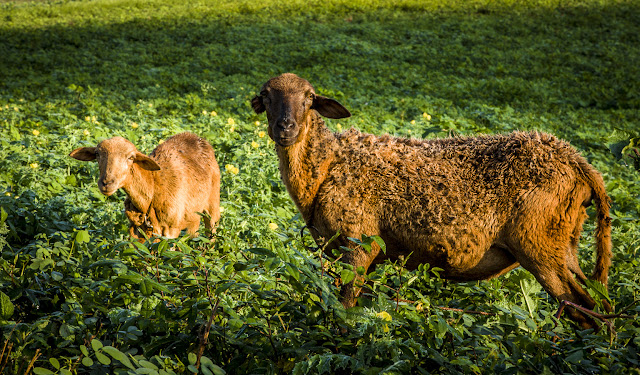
{"points": [[77, 296]]}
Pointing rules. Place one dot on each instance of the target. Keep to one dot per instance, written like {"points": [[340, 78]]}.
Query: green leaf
{"points": [[148, 365], [193, 358], [262, 251], [82, 236], [88, 362], [3, 215], [597, 290], [293, 272], [118, 355], [96, 345], [6, 307], [84, 350], [103, 358], [55, 363], [42, 371], [347, 276]]}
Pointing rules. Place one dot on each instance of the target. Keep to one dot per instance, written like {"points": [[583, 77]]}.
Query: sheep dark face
{"points": [[115, 157], [288, 101]]}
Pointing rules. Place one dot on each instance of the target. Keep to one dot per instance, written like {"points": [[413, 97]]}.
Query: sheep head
{"points": [[288, 101], [116, 157]]}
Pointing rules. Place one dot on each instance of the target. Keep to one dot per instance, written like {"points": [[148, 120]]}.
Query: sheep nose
{"points": [[286, 124]]}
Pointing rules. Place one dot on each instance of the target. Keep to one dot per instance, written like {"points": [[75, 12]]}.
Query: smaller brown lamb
{"points": [[165, 190]]}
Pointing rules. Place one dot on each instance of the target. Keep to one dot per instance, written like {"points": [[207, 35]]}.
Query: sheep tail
{"points": [[603, 223]]}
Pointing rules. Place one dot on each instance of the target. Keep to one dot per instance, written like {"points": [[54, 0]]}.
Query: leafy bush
{"points": [[77, 296]]}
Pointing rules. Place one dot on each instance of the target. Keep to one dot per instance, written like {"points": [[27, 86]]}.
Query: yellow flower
{"points": [[273, 226], [87, 119], [413, 122], [339, 127], [15, 109], [161, 141], [36, 132], [257, 123], [93, 119], [7, 194], [426, 116], [221, 209], [231, 168], [213, 113], [134, 125], [33, 165], [386, 317], [261, 134], [204, 113], [231, 121], [86, 132], [150, 105], [255, 144], [233, 128]]}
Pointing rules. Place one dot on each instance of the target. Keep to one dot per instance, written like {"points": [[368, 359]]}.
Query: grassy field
{"points": [[76, 296]]}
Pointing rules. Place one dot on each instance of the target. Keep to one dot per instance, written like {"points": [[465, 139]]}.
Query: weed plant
{"points": [[78, 297]]}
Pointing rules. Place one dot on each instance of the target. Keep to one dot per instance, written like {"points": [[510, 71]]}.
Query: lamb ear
{"points": [[146, 162], [257, 105], [329, 108], [84, 153]]}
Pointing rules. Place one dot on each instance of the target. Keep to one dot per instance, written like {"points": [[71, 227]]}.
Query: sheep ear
{"points": [[257, 105], [146, 162], [329, 108], [84, 153]]}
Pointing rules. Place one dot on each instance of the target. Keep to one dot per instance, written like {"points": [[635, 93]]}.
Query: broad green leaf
{"points": [[193, 358], [84, 350], [262, 251], [88, 362], [103, 358], [118, 355], [55, 363], [147, 364], [598, 290], [82, 236], [347, 276], [96, 345], [6, 307], [42, 371]]}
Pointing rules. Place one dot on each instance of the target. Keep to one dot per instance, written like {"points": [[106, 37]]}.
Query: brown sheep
{"points": [[165, 190], [477, 207]]}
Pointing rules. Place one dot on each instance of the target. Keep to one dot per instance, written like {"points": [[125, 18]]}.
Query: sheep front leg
{"points": [[357, 258]]}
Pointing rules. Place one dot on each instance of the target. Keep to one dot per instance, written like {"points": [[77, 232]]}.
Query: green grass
{"points": [[75, 72]]}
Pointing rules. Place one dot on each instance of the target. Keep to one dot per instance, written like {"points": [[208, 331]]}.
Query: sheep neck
{"points": [[139, 186], [305, 165]]}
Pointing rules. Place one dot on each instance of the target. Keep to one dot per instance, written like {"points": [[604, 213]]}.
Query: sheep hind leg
{"points": [[572, 251], [559, 282]]}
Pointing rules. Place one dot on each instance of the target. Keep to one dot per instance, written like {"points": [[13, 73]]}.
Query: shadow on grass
{"points": [[577, 57]]}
